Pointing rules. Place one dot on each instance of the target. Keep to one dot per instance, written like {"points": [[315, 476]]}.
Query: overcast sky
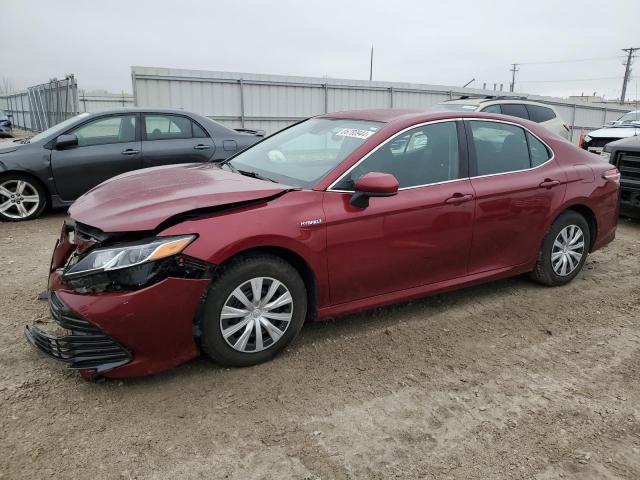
{"points": [[435, 42]]}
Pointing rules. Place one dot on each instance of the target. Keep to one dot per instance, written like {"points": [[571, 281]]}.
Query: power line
{"points": [[575, 60], [571, 80]]}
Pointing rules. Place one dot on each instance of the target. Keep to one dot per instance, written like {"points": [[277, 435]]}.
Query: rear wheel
{"points": [[564, 250], [21, 198], [254, 309]]}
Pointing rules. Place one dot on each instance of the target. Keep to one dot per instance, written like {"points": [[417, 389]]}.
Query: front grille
{"points": [[600, 142], [629, 165], [87, 347]]}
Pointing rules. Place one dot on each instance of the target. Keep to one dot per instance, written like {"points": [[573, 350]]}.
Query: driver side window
{"points": [[117, 129], [421, 156]]}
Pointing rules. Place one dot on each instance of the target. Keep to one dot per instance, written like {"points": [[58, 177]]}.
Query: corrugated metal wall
{"points": [[271, 102]]}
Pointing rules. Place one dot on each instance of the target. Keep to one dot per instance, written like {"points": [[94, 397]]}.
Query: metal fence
{"points": [[42, 106], [271, 102]]}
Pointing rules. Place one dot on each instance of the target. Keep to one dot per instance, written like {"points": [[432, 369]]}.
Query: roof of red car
{"points": [[388, 115]]}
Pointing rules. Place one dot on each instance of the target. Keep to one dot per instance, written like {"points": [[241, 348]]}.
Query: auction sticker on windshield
{"points": [[354, 133]]}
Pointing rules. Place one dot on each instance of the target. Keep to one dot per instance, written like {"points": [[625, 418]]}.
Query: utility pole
{"points": [[371, 65], [513, 76], [627, 72]]}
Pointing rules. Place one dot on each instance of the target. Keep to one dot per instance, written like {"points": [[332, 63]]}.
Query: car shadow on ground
{"points": [[358, 324]]}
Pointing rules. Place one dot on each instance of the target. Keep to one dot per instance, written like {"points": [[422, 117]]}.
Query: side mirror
{"points": [[66, 141], [373, 184]]}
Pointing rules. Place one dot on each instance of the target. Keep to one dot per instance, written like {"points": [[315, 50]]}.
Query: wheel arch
{"points": [[296, 261], [589, 215]]}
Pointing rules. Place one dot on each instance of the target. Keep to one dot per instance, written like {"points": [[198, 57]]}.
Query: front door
{"points": [[107, 146], [517, 184], [421, 235], [169, 139]]}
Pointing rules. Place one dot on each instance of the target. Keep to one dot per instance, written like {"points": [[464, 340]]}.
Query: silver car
{"points": [[520, 107]]}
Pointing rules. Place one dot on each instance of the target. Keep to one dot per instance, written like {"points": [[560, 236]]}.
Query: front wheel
{"points": [[21, 198], [564, 250], [254, 309]]}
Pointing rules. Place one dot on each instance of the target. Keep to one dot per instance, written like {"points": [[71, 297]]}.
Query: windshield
{"points": [[303, 154], [630, 117], [57, 128], [454, 107]]}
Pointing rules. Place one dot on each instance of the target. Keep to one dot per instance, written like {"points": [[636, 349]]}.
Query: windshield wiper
{"points": [[255, 175], [228, 163]]}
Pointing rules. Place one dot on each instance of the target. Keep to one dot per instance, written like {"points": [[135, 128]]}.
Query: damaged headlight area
{"points": [[134, 265]]}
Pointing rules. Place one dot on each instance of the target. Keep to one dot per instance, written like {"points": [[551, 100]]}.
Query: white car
{"points": [[628, 125], [520, 107]]}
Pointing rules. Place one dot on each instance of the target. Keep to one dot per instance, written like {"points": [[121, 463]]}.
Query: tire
{"points": [[549, 268], [240, 319], [17, 208]]}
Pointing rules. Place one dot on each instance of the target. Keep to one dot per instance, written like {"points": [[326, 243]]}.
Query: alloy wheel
{"points": [[567, 250], [18, 199], [256, 314]]}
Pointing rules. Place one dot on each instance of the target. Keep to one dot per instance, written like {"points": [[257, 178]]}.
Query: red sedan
{"points": [[336, 214]]}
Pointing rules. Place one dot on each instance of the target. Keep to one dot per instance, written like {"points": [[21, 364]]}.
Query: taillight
{"points": [[612, 175]]}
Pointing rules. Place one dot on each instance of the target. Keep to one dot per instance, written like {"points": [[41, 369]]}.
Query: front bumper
{"points": [[86, 347], [630, 200], [154, 326], [124, 333]]}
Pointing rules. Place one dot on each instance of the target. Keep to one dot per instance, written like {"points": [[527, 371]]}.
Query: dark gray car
{"points": [[625, 155], [58, 165]]}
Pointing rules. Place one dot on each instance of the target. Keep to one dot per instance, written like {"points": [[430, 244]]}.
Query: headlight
{"points": [[605, 156], [587, 138], [115, 258]]}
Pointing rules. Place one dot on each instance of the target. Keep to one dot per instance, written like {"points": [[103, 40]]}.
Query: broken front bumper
{"points": [[85, 348]]}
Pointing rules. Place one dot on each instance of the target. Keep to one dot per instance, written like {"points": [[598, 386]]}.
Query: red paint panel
{"points": [[155, 323]]}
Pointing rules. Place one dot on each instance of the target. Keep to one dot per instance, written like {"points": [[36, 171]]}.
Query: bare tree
{"points": [[6, 86]]}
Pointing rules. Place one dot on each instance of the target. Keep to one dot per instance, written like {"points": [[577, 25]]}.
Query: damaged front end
{"points": [[125, 301]]}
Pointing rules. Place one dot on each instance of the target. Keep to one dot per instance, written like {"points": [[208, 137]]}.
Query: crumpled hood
{"points": [[143, 199], [615, 132]]}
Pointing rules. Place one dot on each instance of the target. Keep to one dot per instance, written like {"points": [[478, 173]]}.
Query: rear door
{"points": [[517, 184], [107, 146], [169, 138]]}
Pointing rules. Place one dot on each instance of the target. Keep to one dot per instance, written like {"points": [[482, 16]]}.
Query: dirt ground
{"points": [[505, 380]]}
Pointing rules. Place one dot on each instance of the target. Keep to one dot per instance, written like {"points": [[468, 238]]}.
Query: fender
{"points": [[230, 233]]}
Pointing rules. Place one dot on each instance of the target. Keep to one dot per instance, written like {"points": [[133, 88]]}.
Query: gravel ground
{"points": [[505, 380]]}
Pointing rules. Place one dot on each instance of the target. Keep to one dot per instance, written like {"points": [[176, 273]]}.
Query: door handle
{"points": [[200, 146], [458, 198], [130, 151], [548, 183]]}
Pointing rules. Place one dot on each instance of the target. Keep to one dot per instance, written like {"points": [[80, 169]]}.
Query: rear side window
{"points": [[540, 114], [515, 110], [492, 109], [500, 147], [420, 156], [539, 152], [167, 127], [198, 131]]}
